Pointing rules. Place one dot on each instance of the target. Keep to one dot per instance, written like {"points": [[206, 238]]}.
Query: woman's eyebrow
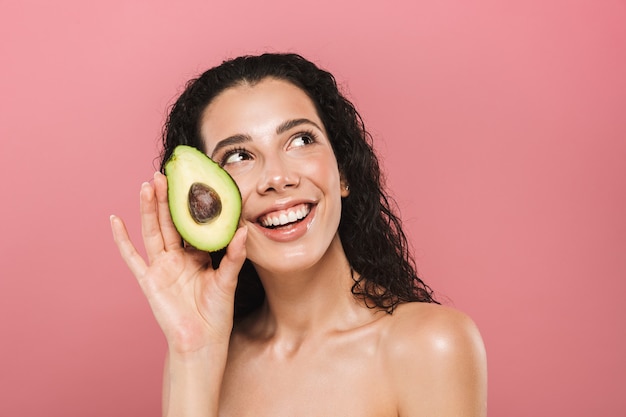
{"points": [[229, 141], [290, 124]]}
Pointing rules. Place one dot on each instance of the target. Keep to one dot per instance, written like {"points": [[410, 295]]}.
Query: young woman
{"points": [[315, 308]]}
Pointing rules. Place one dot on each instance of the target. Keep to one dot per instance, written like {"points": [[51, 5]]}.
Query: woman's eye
{"points": [[302, 140], [235, 156]]}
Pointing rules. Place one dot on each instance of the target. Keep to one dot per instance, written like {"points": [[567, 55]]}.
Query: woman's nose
{"points": [[277, 176]]}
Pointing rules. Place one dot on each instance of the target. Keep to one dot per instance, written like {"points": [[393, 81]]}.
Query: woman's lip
{"points": [[290, 231]]}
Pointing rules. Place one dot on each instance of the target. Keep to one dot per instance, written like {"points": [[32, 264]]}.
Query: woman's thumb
{"points": [[234, 258]]}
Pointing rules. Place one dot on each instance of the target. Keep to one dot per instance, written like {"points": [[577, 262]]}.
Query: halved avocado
{"points": [[204, 201]]}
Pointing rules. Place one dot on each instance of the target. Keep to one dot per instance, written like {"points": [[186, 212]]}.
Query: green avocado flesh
{"points": [[204, 201]]}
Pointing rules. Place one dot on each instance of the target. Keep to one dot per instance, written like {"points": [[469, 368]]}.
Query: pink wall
{"points": [[502, 125]]}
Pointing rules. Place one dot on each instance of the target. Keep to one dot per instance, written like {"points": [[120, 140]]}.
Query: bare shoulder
{"points": [[433, 328], [436, 361]]}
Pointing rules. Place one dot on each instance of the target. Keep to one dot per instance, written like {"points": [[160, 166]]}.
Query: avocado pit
{"points": [[204, 203]]}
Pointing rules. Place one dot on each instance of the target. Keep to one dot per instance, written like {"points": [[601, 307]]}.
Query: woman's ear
{"points": [[345, 187]]}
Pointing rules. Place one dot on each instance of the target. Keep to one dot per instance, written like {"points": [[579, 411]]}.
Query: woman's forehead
{"points": [[255, 109]]}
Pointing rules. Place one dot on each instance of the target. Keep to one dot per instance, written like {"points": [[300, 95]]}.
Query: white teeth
{"points": [[286, 217]]}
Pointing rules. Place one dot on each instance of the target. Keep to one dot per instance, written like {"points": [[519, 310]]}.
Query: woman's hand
{"points": [[192, 301]]}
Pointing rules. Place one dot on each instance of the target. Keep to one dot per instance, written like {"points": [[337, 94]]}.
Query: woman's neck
{"points": [[312, 302]]}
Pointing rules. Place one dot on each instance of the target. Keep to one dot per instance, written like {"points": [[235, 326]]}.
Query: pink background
{"points": [[502, 126]]}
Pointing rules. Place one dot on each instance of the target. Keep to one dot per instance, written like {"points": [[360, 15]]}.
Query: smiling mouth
{"points": [[285, 217]]}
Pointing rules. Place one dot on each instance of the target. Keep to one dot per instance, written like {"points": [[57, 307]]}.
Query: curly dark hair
{"points": [[370, 231]]}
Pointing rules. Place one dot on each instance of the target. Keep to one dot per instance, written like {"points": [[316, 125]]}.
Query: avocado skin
{"points": [[187, 166]]}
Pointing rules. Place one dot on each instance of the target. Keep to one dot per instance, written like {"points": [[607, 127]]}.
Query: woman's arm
{"points": [[191, 382]]}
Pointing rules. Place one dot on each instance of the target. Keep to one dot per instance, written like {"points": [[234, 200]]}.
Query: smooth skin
{"points": [[312, 349]]}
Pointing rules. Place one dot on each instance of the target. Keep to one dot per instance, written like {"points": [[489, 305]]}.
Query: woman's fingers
{"points": [[171, 238], [233, 260], [150, 227], [133, 259]]}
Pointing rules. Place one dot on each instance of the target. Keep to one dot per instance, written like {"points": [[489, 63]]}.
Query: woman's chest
{"points": [[330, 380]]}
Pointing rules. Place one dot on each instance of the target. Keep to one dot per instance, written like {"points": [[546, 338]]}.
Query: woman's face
{"points": [[271, 140]]}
